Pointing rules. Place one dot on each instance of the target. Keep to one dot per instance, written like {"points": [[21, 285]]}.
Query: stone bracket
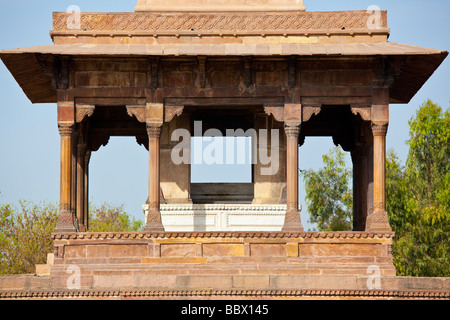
{"points": [[82, 111], [171, 112], [365, 112], [276, 111], [152, 113], [309, 111], [138, 111]]}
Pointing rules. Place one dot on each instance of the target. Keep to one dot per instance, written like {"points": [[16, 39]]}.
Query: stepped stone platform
{"points": [[222, 265]]}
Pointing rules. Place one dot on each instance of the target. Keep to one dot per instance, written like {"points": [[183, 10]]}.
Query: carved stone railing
{"points": [[238, 23]]}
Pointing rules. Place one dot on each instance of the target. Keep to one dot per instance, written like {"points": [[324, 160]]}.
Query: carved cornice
{"points": [[224, 234], [202, 293], [222, 23]]}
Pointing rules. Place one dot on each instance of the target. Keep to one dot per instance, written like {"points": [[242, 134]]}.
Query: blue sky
{"points": [[29, 139]]}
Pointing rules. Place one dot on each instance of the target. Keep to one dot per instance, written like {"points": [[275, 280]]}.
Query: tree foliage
{"points": [[113, 219], [328, 195], [418, 196], [25, 236], [25, 232]]}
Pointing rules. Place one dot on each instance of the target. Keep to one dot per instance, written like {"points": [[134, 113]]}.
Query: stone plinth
{"points": [[221, 217], [223, 265], [221, 260]]}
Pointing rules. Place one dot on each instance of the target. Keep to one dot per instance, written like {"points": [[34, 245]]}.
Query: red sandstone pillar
{"points": [[154, 223], [378, 219], [80, 183], [65, 219], [292, 222]]}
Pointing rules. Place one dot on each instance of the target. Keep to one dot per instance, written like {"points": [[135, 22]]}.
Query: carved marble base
{"points": [[221, 217]]}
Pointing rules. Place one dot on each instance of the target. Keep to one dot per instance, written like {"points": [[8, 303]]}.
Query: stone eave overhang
{"points": [[415, 64]]}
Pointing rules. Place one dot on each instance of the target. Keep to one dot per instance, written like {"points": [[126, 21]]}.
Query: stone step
{"points": [[43, 270]]}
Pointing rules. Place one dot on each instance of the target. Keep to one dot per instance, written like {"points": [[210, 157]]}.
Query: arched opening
{"points": [[311, 159], [119, 176], [352, 133]]}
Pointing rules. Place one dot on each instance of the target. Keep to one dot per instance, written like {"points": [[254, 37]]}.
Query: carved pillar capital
{"points": [[379, 128], [154, 131], [292, 131], [66, 129]]}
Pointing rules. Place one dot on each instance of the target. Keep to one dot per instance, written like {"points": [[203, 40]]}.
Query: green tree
{"points": [[25, 236], [108, 218], [328, 195], [418, 196], [25, 233], [428, 161]]}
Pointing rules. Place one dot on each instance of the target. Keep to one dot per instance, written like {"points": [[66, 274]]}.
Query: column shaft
{"points": [[378, 219], [154, 223], [80, 183], [86, 188], [292, 222], [65, 219]]}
